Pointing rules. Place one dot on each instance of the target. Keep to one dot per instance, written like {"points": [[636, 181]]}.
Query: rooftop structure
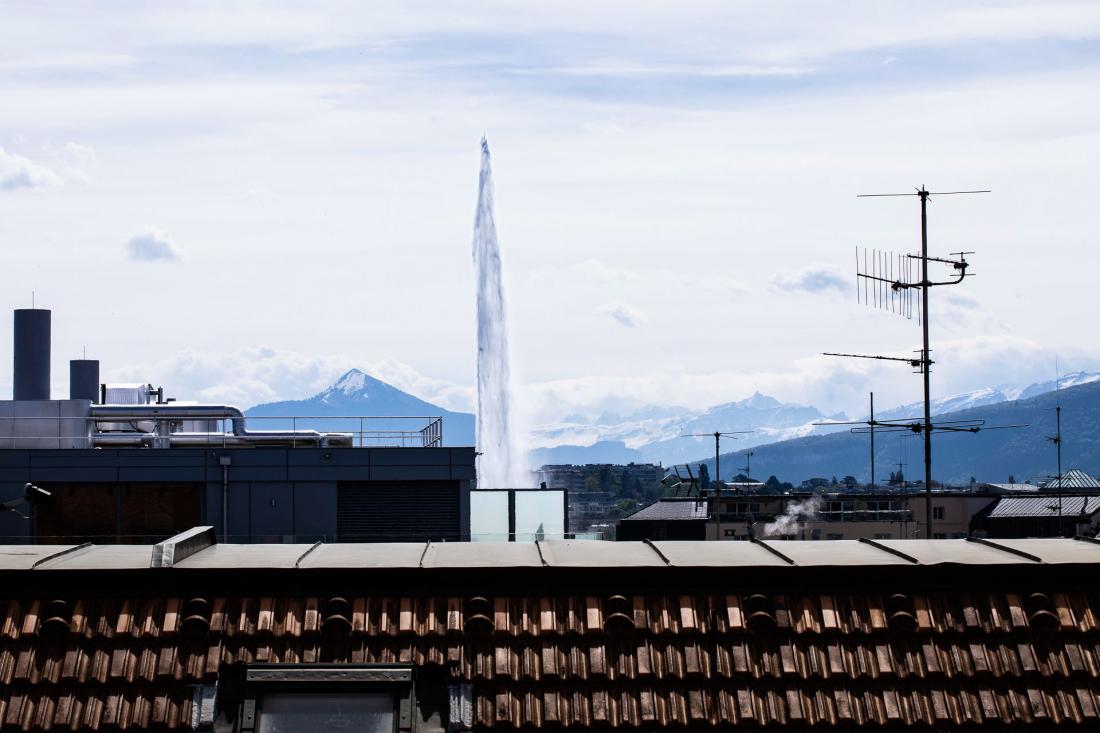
{"points": [[925, 635], [126, 463], [1072, 480]]}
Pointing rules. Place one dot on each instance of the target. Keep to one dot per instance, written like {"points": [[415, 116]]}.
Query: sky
{"points": [[240, 201]]}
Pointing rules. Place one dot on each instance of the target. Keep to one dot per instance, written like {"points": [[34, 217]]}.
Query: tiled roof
{"points": [[671, 509], [1073, 479], [1019, 649], [822, 661], [1048, 505]]}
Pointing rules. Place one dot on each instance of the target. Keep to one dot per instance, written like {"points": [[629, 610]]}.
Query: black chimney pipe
{"points": [[84, 380], [32, 354]]}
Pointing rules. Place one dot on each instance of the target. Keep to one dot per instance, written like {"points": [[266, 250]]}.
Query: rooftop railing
{"points": [[295, 431]]}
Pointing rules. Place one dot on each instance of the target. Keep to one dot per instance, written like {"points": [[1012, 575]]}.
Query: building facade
{"points": [[839, 516]]}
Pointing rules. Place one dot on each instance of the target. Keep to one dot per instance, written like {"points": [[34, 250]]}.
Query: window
{"points": [[815, 534], [939, 536], [289, 698], [731, 532], [882, 535], [834, 536], [937, 512], [288, 712]]}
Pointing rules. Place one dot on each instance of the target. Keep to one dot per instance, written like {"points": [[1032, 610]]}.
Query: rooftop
{"points": [[1047, 505], [1073, 479], [197, 549]]}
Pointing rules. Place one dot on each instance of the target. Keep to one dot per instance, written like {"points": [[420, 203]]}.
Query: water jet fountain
{"points": [[502, 463]]}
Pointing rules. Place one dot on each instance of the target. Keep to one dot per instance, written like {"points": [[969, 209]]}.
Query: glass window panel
{"points": [[540, 515], [489, 516], [302, 712]]}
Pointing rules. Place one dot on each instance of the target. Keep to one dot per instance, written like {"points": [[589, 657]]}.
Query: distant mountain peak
{"points": [[352, 381], [357, 385], [760, 401]]}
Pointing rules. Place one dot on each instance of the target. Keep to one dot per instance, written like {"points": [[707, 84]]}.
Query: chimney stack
{"points": [[84, 380], [32, 354]]}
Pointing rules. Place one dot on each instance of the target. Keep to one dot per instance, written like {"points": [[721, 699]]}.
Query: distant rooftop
{"points": [[665, 509], [1073, 479], [1046, 505]]}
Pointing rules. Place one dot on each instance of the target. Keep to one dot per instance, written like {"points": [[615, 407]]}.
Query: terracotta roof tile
{"points": [[688, 660]]}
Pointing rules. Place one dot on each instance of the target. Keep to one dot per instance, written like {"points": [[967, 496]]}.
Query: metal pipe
{"points": [[166, 412]]}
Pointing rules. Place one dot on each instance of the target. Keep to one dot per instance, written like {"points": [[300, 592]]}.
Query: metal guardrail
{"points": [[54, 432], [867, 515]]}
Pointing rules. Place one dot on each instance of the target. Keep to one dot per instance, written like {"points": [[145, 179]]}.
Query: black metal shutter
{"points": [[397, 511]]}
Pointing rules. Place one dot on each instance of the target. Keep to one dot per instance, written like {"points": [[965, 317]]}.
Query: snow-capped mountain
{"points": [[358, 393], [655, 433], [990, 396], [662, 434], [652, 433]]}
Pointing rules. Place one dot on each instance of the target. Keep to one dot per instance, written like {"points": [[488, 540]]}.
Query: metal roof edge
{"points": [[304, 555], [60, 553], [773, 551], [1003, 548], [653, 547], [891, 550]]}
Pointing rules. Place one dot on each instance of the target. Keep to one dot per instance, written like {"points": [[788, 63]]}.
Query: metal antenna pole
{"points": [[1058, 442], [717, 446], [872, 440], [717, 458], [926, 364]]}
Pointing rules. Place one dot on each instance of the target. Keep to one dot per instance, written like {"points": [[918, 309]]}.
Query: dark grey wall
{"points": [[272, 492]]}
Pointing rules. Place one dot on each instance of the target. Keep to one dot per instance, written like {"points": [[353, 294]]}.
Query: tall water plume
{"points": [[502, 463]]}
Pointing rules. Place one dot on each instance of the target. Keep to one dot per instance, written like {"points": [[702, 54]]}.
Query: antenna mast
{"points": [[872, 441], [893, 286], [717, 445]]}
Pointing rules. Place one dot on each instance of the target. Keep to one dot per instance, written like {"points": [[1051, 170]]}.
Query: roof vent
{"points": [[761, 613], [901, 614], [337, 618], [196, 618], [1041, 616], [620, 615], [56, 616], [478, 616]]}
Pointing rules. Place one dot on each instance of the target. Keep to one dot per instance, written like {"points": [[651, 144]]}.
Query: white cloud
{"points": [[18, 172], [602, 272], [151, 245], [258, 374], [815, 279], [623, 313]]}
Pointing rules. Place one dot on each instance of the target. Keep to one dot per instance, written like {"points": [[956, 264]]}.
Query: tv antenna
{"points": [[1056, 439], [890, 282], [870, 423], [717, 435], [747, 468]]}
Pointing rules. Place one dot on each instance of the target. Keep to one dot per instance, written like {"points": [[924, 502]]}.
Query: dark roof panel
{"points": [[671, 509], [1046, 505]]}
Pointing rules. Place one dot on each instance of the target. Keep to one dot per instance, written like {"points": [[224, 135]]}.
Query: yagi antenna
{"points": [[900, 284]]}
